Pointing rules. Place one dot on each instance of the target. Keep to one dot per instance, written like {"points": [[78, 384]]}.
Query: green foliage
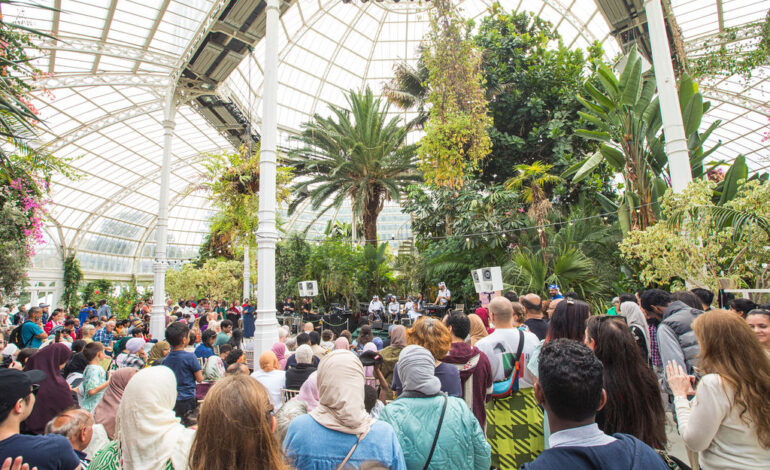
{"points": [[95, 291], [334, 264], [122, 304], [358, 154], [702, 242], [72, 277], [291, 262], [409, 88], [456, 138], [13, 257], [216, 279], [730, 53]]}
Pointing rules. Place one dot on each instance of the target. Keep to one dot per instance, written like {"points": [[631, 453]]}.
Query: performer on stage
{"points": [[411, 308], [394, 308], [443, 296], [288, 307], [376, 308], [307, 306]]}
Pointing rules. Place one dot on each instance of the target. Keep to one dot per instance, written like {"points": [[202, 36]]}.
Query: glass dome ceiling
{"points": [[115, 59]]}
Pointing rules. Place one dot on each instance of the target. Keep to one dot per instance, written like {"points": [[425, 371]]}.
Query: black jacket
{"points": [[296, 375]]}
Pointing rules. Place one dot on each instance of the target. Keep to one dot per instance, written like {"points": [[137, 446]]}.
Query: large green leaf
{"points": [[648, 91], [600, 97], [593, 119], [593, 107], [588, 166], [633, 86], [693, 113], [687, 90], [609, 82], [733, 179], [593, 135], [614, 157], [632, 57]]}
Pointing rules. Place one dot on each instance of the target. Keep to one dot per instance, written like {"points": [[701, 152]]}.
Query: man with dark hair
{"points": [[742, 306], [705, 296], [570, 388], [474, 367], [628, 298], [512, 296], [104, 310], [32, 332], [206, 348], [327, 340], [185, 366], [302, 338], [226, 328], [315, 344], [17, 398], [535, 321], [675, 339]]}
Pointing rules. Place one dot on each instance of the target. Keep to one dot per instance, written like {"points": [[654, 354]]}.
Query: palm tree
{"points": [[358, 154], [535, 179], [409, 89]]}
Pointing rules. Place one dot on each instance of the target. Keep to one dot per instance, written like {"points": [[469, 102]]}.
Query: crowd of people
{"points": [[521, 383]]}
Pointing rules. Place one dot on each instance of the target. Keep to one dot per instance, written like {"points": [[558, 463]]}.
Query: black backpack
{"points": [[15, 337]]}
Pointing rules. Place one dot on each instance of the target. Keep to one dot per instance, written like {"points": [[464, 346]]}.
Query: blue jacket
{"points": [[627, 453], [461, 443], [311, 446]]}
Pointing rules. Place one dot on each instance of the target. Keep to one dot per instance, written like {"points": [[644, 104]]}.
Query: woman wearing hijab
{"points": [[390, 354], [158, 353], [339, 431], [369, 370], [132, 355], [54, 395], [483, 314], [148, 434], [296, 375], [638, 323], [279, 349], [342, 343], [378, 342], [478, 330], [422, 412], [271, 376], [107, 409]]}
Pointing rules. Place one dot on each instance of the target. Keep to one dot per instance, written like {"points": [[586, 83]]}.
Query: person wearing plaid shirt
{"points": [[104, 335]]}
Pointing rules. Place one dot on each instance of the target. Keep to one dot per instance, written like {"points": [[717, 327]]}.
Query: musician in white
{"points": [[394, 308], [443, 296], [410, 307], [376, 307]]}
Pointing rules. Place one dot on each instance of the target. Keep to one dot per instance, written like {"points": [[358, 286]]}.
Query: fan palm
{"points": [[535, 179], [359, 154]]}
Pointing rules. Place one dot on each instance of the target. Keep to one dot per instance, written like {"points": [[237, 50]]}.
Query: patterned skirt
{"points": [[515, 429]]}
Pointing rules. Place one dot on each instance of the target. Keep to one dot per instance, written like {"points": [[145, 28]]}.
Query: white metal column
{"points": [[673, 129], [246, 273], [266, 327], [158, 315]]}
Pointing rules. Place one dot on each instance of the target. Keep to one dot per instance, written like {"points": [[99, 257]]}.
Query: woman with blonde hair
{"points": [[434, 336], [235, 428], [728, 422]]}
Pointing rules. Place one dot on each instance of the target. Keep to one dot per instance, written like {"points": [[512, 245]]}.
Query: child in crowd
{"points": [[185, 366], [94, 376]]}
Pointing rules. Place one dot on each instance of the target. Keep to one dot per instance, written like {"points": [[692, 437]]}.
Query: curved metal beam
{"points": [[75, 80], [99, 48]]}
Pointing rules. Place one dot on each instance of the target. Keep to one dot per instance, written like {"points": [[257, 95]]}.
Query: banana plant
{"points": [[623, 114]]}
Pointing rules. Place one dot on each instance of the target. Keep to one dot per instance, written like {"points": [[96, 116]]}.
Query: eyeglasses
{"points": [[35, 388]]}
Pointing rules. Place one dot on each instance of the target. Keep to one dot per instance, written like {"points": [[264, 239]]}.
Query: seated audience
{"points": [[474, 367], [133, 355], [569, 387], [54, 395], [728, 422], [206, 348], [759, 321], [431, 334], [297, 374], [237, 369], [272, 378], [391, 353], [226, 329], [435, 431], [634, 405], [149, 435], [327, 340], [17, 400], [159, 351], [279, 349], [233, 405], [302, 338], [216, 366], [77, 426], [235, 356], [107, 409], [339, 431], [315, 344]]}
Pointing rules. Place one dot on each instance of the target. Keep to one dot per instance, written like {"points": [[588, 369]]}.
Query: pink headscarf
{"points": [[342, 343], [280, 353], [483, 313], [369, 370], [308, 392]]}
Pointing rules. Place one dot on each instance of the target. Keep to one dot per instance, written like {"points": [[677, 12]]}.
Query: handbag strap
{"points": [[438, 430], [352, 449], [521, 345]]}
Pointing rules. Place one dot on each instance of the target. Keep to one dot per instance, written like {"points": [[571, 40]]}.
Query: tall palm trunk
{"points": [[371, 212]]}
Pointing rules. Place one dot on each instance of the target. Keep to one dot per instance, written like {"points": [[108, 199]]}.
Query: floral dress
{"points": [[93, 376]]}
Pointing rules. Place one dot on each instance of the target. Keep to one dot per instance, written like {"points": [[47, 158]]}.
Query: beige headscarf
{"points": [[478, 330], [341, 393], [148, 432]]}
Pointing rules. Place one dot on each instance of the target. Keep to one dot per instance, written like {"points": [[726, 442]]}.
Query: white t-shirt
{"points": [[273, 381], [445, 296], [376, 305], [394, 307], [503, 344]]}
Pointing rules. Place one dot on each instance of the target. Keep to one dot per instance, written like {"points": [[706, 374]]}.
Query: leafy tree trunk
{"points": [[371, 212]]}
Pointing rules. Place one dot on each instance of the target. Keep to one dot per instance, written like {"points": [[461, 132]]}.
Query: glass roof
{"points": [[115, 60]]}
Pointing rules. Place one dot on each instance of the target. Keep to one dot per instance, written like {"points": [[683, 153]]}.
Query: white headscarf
{"points": [[341, 394], [635, 317], [148, 432], [134, 345]]}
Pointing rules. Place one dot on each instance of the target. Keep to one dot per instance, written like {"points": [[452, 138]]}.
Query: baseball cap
{"points": [[15, 384], [553, 286]]}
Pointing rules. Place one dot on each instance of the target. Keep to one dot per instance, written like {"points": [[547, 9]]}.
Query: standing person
{"points": [[94, 376], [556, 298], [759, 321], [272, 378], [477, 329], [54, 393], [535, 321], [705, 296], [104, 310], [288, 307], [17, 400], [339, 430], [234, 404], [248, 319], [185, 366], [431, 334], [474, 367], [728, 422], [54, 320], [233, 314], [149, 435], [570, 389], [107, 409], [742, 306], [226, 328], [508, 350], [444, 295], [634, 405], [32, 333], [639, 327], [458, 441]]}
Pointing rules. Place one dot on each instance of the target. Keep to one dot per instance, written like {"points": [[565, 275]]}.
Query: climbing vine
{"points": [[456, 138]]}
